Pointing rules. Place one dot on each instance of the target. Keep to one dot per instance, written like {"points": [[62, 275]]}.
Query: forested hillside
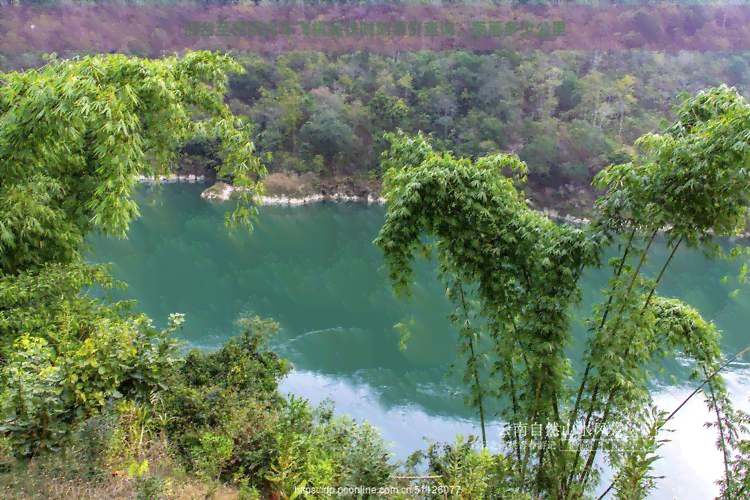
{"points": [[566, 114]]}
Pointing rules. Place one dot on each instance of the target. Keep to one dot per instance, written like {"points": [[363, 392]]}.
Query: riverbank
{"points": [[286, 189], [293, 190], [222, 191]]}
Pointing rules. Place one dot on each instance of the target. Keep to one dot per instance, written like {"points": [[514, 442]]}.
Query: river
{"points": [[313, 268]]}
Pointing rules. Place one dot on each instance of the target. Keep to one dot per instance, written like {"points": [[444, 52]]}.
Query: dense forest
{"points": [[566, 114]]}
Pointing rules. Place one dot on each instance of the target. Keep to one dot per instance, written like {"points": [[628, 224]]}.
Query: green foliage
{"points": [[33, 411], [325, 451], [458, 471], [477, 215], [246, 493], [210, 457], [694, 183], [462, 469], [149, 486], [74, 136], [114, 118], [389, 110], [33, 230], [524, 271], [231, 393], [48, 387], [562, 112], [465, 318], [138, 470], [243, 363], [214, 451], [88, 378], [134, 432], [318, 164], [93, 443], [226, 420], [635, 479], [326, 134], [404, 329], [7, 458], [45, 301], [701, 157]]}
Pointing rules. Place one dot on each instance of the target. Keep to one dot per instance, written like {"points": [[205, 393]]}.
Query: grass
{"points": [[59, 477]]}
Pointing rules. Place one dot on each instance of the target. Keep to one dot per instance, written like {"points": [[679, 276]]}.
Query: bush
{"points": [[92, 443], [467, 473], [221, 413], [227, 420], [50, 387], [232, 395], [325, 451]]}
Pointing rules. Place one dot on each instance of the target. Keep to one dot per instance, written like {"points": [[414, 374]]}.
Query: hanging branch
{"points": [[684, 402], [613, 391], [589, 365], [473, 364]]}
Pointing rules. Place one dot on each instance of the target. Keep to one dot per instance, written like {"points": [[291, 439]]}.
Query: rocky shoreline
{"points": [[222, 192], [170, 179]]}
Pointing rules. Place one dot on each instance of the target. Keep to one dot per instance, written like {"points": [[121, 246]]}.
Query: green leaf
{"points": [[298, 490]]}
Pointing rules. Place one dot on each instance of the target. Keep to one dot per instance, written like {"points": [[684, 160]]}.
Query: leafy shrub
{"points": [[231, 392], [212, 454], [467, 473], [247, 493], [149, 486], [6, 455], [227, 419], [49, 387], [91, 443], [243, 363], [323, 451]]}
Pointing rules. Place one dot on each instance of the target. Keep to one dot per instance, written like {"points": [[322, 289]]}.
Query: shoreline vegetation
{"points": [[222, 191]]}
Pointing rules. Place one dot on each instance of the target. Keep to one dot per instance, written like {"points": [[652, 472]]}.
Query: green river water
{"points": [[314, 269]]}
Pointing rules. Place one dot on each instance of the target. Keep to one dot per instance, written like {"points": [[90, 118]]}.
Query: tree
{"points": [[595, 91], [522, 265], [624, 98], [327, 134], [543, 80], [525, 269], [288, 101], [74, 137], [388, 110]]}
